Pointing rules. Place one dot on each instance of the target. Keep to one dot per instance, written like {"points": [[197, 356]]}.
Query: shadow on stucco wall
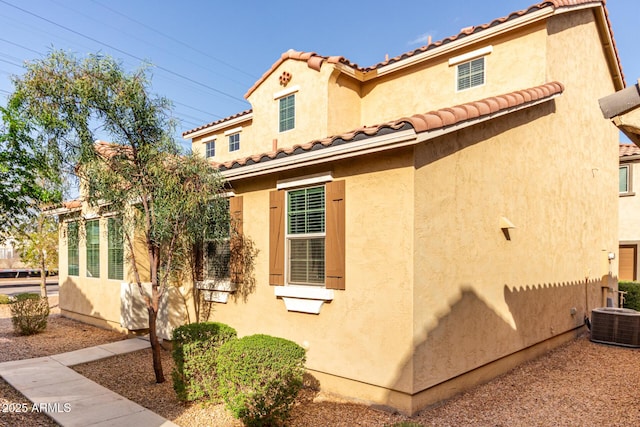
{"points": [[474, 342]]}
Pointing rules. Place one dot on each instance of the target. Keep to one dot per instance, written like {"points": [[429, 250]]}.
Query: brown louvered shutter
{"points": [[236, 266], [335, 232], [276, 238]]}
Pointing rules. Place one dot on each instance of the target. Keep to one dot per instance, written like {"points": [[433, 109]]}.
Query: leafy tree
{"points": [[141, 172], [37, 244], [29, 175]]}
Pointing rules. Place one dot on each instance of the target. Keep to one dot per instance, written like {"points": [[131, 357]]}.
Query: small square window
{"points": [[470, 74], [234, 142], [211, 149], [287, 112], [624, 184]]}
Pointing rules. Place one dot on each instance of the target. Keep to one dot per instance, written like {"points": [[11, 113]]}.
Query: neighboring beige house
{"points": [[423, 224], [629, 230]]}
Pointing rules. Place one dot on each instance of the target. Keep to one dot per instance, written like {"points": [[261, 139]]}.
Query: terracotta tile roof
{"points": [[217, 122], [109, 149], [629, 150], [315, 61], [556, 4], [430, 121]]}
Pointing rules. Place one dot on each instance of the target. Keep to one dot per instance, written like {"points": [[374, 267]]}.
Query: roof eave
{"points": [[473, 38], [372, 144], [215, 127]]}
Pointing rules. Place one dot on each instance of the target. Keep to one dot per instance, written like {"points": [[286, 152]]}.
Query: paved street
{"points": [[28, 284]]}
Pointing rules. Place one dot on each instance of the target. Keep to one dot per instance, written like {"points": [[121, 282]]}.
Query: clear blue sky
{"points": [[206, 54]]}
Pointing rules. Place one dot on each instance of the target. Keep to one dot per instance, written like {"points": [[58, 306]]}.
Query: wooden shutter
{"points": [[335, 236], [276, 238], [236, 266], [627, 267]]}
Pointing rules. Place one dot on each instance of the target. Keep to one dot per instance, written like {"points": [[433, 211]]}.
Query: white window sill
{"points": [[216, 290], [304, 299]]}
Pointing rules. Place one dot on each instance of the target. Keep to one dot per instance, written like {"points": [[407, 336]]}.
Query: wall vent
{"points": [[620, 326]]}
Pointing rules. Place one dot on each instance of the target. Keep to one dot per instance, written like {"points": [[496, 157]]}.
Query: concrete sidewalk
{"points": [[72, 399]]}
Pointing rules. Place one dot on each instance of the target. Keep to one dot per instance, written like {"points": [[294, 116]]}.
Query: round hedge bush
{"points": [[194, 352], [259, 377]]}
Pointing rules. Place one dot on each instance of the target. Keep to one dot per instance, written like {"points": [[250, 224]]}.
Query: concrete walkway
{"points": [[72, 399]]}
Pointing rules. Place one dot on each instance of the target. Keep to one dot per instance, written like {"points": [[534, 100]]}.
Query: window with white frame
{"points": [[287, 113], [115, 238], [234, 142], [210, 149], [470, 74], [305, 237], [92, 231], [73, 249], [624, 183], [217, 252]]}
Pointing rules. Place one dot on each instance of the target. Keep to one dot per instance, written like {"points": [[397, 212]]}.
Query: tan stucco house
{"points": [[623, 109], [629, 230], [423, 224]]}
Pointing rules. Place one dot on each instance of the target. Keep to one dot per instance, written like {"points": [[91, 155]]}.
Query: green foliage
{"points": [[4, 299], [195, 348], [29, 314], [25, 296], [259, 377], [140, 172], [28, 174], [632, 298]]}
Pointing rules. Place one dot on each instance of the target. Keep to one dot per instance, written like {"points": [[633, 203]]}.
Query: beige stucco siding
{"points": [[310, 106], [517, 62], [629, 229], [353, 335], [480, 296]]}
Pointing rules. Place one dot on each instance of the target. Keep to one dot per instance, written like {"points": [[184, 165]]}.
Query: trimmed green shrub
{"points": [[632, 298], [259, 377], [29, 314], [194, 353], [4, 299]]}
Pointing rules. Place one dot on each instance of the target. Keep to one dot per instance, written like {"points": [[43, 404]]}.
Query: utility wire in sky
{"points": [[178, 41], [125, 53], [157, 47]]}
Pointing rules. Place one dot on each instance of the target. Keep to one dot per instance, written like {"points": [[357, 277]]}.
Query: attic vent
{"points": [[619, 326]]}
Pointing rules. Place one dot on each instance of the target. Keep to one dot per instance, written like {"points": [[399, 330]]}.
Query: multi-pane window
{"points": [[93, 248], [217, 250], [306, 236], [623, 183], [234, 142], [210, 149], [471, 74], [287, 112], [115, 249], [73, 251]]}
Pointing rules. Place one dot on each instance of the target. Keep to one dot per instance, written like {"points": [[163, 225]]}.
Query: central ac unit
{"points": [[619, 326]]}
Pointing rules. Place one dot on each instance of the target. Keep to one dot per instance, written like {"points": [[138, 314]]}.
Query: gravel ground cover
{"points": [[578, 384], [61, 335]]}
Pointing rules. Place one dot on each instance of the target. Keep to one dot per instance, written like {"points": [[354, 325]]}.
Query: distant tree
{"points": [[37, 245], [141, 172], [29, 176]]}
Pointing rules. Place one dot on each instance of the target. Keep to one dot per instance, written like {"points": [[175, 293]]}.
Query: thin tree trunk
{"points": [[156, 348], [43, 278]]}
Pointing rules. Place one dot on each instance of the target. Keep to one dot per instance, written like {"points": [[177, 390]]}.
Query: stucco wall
{"points": [[550, 170], [517, 62], [629, 230], [366, 330], [99, 300]]}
